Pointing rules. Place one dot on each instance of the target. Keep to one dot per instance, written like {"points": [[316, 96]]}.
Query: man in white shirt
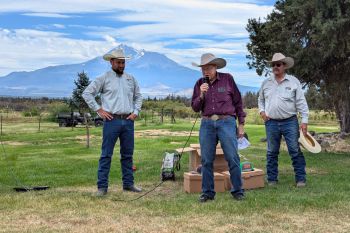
{"points": [[281, 98], [121, 103]]}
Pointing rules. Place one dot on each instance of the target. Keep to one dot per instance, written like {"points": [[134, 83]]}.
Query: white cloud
{"points": [[208, 25], [181, 21], [26, 50], [111, 40], [47, 15], [29, 33], [60, 26]]}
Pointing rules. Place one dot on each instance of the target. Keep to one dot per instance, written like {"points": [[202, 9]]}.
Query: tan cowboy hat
{"points": [[280, 57], [309, 143], [209, 58], [115, 53]]}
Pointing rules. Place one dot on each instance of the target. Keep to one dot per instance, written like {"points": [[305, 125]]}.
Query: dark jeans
{"points": [[289, 128], [112, 130], [210, 133]]}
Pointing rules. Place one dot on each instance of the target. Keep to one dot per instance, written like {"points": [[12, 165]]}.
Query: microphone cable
{"points": [[177, 166], [12, 173]]}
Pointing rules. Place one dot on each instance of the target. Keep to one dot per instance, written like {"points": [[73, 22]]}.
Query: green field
{"points": [[58, 157]]}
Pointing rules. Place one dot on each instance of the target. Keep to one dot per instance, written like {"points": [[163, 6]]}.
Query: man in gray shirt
{"points": [[121, 103], [280, 99]]}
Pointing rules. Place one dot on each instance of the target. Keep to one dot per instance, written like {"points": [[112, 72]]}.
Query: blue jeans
{"points": [[112, 130], [210, 133], [289, 128]]}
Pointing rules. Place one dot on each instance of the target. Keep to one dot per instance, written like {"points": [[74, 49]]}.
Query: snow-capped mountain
{"points": [[157, 76]]}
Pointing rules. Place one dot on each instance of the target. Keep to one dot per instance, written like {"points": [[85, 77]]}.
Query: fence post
{"points": [[145, 117], [87, 132], [1, 125], [172, 116], [39, 122], [72, 118], [161, 116]]}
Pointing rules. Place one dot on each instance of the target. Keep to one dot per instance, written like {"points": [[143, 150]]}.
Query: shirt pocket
{"points": [[223, 94], [288, 95]]}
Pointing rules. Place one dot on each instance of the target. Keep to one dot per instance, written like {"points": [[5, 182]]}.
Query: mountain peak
{"points": [[155, 73], [129, 51]]}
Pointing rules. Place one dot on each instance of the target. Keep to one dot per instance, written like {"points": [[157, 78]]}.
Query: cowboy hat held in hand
{"points": [[279, 57], [117, 54], [210, 59], [309, 143]]}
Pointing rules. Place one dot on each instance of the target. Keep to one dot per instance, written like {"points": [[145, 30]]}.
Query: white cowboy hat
{"points": [[280, 57], [115, 53], [309, 143], [209, 58]]}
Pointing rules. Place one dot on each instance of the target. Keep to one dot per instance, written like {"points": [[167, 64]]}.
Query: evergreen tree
{"points": [[77, 100], [250, 100], [318, 99], [316, 33]]}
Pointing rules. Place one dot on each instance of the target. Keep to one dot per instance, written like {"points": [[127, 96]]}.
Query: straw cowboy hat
{"points": [[210, 59], [309, 143], [280, 57], [115, 53]]}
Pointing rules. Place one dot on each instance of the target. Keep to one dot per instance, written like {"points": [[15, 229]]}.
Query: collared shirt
{"points": [[119, 94], [222, 98], [283, 100]]}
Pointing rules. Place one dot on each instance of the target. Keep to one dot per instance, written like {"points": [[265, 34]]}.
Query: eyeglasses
{"points": [[277, 64]]}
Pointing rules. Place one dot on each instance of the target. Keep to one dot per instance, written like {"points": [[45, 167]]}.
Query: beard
{"points": [[119, 71]]}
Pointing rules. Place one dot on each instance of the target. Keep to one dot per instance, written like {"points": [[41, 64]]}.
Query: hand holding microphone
{"points": [[204, 87]]}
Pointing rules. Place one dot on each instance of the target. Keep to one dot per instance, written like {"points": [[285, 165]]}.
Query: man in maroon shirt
{"points": [[217, 97]]}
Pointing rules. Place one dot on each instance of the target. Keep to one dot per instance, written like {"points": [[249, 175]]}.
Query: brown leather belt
{"points": [[216, 117], [120, 116]]}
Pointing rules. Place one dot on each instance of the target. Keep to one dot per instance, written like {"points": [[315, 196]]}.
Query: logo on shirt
{"points": [[288, 88], [221, 89]]}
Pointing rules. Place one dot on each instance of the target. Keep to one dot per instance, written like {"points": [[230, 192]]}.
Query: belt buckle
{"points": [[214, 117]]}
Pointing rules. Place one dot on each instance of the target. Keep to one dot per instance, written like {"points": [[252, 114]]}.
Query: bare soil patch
{"points": [[15, 143], [162, 132]]}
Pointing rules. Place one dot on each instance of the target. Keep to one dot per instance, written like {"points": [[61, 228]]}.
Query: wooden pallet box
{"points": [[220, 164], [193, 182], [251, 180]]}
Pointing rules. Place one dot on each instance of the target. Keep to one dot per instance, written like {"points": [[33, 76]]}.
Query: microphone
{"points": [[205, 80]]}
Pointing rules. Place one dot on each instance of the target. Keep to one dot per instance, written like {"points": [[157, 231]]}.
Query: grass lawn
{"points": [[58, 157]]}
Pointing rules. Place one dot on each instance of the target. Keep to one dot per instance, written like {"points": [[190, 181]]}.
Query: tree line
{"points": [[171, 105]]}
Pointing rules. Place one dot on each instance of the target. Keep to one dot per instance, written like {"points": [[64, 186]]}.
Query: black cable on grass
{"points": [[177, 168], [17, 180], [139, 197], [178, 165]]}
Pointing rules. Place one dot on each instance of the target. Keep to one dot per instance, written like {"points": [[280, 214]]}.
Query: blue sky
{"points": [[37, 34]]}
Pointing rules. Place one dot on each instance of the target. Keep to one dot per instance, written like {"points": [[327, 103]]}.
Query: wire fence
{"points": [[17, 123]]}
